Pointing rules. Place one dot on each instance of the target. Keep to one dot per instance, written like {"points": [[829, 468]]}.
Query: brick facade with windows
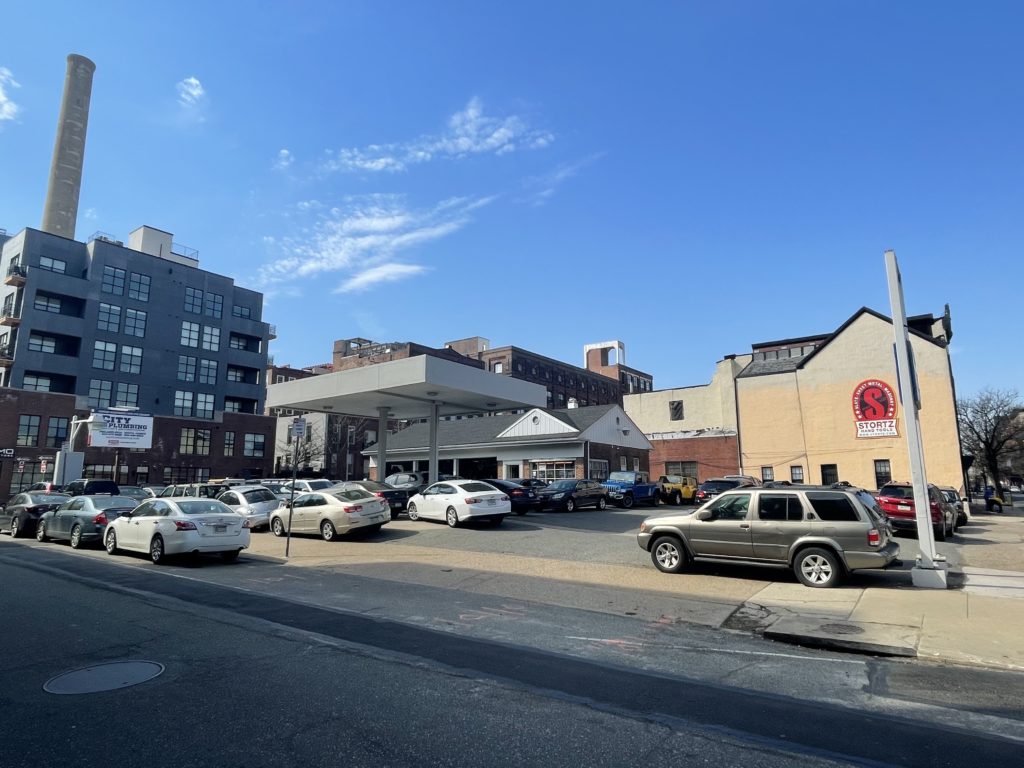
{"points": [[715, 456]]}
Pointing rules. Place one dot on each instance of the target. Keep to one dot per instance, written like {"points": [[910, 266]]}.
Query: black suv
{"points": [[84, 487]]}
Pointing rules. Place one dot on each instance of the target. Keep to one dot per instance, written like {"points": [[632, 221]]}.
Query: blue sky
{"points": [[687, 177]]}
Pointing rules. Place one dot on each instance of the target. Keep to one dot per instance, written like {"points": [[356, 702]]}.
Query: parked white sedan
{"points": [[331, 513], [455, 501], [165, 526]]}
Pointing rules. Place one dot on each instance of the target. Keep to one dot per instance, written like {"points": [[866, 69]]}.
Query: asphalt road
{"points": [[273, 665]]}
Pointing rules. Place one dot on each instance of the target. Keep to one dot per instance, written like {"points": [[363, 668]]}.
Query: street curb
{"points": [[851, 636]]}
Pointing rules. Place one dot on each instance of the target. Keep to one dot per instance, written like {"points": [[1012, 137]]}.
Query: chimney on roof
{"points": [[60, 213]]}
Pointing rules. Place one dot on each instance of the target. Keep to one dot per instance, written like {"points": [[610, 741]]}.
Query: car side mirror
{"points": [[127, 513], [705, 514]]}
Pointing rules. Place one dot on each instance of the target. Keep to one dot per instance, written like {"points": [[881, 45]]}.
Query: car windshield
{"points": [[352, 494], [897, 492], [562, 485], [210, 507], [371, 485], [478, 487], [107, 502], [320, 485], [718, 485], [622, 477], [259, 494], [48, 498]]}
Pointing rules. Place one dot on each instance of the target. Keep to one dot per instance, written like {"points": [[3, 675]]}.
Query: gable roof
{"points": [[768, 367], [487, 429]]}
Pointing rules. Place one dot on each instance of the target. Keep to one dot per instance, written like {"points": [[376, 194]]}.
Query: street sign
{"points": [[298, 427], [42, 467], [21, 466]]}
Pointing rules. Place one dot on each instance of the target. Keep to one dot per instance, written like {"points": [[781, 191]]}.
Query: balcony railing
{"points": [[273, 331], [6, 355], [16, 275], [183, 250]]}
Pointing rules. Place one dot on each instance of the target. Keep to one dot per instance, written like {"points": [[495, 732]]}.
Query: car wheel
{"points": [[601, 502], [627, 501], [451, 517], [110, 542], [669, 555], [230, 555], [521, 511], [997, 507], [76, 536], [394, 514], [961, 520], [41, 531], [940, 531], [677, 498], [327, 530], [498, 520], [371, 529], [570, 505], [277, 526], [816, 567], [413, 512], [655, 500], [156, 550], [15, 527]]}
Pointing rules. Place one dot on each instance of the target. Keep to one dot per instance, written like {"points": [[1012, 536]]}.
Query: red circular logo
{"points": [[873, 400]]}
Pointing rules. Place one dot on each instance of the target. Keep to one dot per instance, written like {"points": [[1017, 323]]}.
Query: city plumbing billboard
{"points": [[120, 430]]}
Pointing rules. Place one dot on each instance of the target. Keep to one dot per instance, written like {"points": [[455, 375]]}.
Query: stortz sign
{"points": [[874, 408], [120, 430]]}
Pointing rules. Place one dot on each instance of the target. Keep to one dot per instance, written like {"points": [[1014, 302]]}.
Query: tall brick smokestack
{"points": [[61, 211]]}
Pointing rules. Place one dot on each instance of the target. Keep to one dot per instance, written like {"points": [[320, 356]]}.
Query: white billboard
{"points": [[120, 430]]}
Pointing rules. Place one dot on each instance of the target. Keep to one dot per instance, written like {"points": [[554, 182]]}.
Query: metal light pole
{"points": [[298, 429]]}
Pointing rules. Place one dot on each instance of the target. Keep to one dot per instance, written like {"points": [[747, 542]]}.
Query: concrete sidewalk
{"points": [[978, 621]]}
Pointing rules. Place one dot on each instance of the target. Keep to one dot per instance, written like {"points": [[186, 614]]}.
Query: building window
{"points": [[99, 393], [204, 405], [36, 383], [104, 354], [238, 311], [28, 430], [135, 323], [131, 359], [182, 403], [214, 304], [109, 318], [195, 441], [229, 443], [186, 368], [235, 374], [767, 474], [796, 474], [684, 468], [189, 334], [53, 265], [253, 446], [56, 431], [207, 371], [675, 410], [38, 343], [279, 379], [622, 463], [44, 303], [113, 281], [138, 287], [598, 469], [193, 300], [232, 406], [883, 472], [127, 395], [636, 464], [211, 338], [829, 474], [552, 470]]}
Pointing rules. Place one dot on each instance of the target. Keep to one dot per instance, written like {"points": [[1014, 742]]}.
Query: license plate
{"points": [[490, 502], [903, 507], [220, 529], [395, 504]]}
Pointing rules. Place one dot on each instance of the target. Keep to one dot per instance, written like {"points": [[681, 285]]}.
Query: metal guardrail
{"points": [[183, 250], [16, 269]]}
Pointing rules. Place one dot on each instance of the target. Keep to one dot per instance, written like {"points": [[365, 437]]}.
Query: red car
{"points": [[897, 501]]}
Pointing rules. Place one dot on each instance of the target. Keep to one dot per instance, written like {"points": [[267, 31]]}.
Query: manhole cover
{"points": [[842, 629], [103, 677]]}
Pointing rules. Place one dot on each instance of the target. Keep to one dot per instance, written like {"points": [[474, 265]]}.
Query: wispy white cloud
{"points": [[90, 214], [469, 132], [540, 189], [284, 160], [362, 238], [8, 109], [382, 273], [192, 99]]}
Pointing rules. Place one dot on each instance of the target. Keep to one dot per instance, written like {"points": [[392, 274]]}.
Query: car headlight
{"points": [[643, 527], [558, 496]]}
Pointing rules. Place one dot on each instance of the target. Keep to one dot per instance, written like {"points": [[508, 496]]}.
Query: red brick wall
{"points": [[715, 456]]}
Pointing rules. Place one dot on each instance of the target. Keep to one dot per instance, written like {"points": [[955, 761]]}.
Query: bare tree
{"points": [[991, 428], [305, 452]]}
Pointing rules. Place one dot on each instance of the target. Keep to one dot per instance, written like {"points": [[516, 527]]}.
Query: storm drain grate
{"points": [[108, 676]]}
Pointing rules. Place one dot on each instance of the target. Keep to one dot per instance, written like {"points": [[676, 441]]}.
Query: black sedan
{"points": [[83, 518], [572, 494], [397, 498], [532, 482], [523, 499], [21, 513]]}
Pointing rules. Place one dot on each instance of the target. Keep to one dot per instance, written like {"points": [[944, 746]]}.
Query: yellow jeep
{"points": [[677, 489]]}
